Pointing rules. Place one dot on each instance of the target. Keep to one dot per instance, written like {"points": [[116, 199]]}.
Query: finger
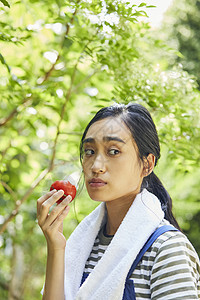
{"points": [[45, 206], [59, 220], [44, 198], [55, 213]]}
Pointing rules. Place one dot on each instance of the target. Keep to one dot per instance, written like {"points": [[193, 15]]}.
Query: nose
{"points": [[98, 165]]}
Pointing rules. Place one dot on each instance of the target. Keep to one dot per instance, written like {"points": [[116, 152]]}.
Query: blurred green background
{"points": [[60, 61]]}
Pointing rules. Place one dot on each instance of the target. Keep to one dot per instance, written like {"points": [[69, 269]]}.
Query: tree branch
{"points": [[5, 120], [18, 203], [62, 115], [48, 73], [3, 153], [8, 188]]}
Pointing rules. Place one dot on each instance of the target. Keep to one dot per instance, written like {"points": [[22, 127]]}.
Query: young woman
{"points": [[130, 246]]}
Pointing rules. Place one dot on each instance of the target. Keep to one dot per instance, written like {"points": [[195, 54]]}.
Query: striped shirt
{"points": [[169, 270]]}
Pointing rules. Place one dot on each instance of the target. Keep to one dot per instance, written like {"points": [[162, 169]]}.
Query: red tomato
{"points": [[66, 186]]}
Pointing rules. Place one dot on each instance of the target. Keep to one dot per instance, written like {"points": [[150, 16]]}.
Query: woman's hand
{"points": [[51, 223]]}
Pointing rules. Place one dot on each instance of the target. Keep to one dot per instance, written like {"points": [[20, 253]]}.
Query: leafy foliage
{"points": [[60, 62], [5, 3], [183, 33]]}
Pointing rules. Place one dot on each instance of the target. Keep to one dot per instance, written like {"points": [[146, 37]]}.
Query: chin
{"points": [[97, 198]]}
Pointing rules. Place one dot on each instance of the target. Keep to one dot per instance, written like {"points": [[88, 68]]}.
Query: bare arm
{"points": [[54, 284], [52, 227]]}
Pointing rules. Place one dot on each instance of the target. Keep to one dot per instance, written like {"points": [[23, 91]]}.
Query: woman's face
{"points": [[111, 165]]}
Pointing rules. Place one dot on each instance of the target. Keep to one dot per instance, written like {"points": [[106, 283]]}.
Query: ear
{"points": [[149, 163]]}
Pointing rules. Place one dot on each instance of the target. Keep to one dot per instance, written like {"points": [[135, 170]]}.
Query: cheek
{"points": [[86, 165], [130, 174]]}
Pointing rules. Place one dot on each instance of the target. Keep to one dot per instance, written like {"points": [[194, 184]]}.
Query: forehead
{"points": [[109, 127]]}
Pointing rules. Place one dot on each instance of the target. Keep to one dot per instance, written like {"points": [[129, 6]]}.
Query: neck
{"points": [[116, 211]]}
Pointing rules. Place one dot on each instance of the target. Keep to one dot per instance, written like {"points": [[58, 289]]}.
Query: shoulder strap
{"points": [[148, 244]]}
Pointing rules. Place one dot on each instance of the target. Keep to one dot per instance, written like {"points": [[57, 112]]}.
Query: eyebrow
{"points": [[105, 139]]}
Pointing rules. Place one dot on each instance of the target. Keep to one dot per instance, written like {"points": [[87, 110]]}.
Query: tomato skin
{"points": [[66, 186]]}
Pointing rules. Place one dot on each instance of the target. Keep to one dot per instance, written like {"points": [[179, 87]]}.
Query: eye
{"points": [[113, 152], [88, 152]]}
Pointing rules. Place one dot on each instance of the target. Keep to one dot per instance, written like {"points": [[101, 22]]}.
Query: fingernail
{"points": [[60, 191], [69, 198]]}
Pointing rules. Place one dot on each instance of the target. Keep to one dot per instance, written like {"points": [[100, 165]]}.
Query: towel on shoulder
{"points": [[108, 277]]}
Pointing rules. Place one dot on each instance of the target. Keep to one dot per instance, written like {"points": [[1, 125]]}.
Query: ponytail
{"points": [[153, 184]]}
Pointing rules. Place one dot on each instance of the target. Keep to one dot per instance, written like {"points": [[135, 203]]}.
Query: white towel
{"points": [[107, 279]]}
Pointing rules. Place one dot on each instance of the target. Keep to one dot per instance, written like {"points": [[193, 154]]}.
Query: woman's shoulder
{"points": [[172, 244]]}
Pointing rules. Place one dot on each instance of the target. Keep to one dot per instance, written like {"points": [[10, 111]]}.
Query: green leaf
{"points": [[5, 3], [142, 4], [104, 100], [67, 42], [4, 62], [151, 6], [179, 54], [140, 13]]}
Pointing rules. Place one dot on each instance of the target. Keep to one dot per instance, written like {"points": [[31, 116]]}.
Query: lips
{"points": [[97, 182]]}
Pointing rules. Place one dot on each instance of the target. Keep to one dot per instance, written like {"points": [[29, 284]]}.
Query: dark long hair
{"points": [[139, 121]]}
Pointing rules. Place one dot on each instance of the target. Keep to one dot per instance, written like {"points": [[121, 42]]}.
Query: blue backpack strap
{"points": [[148, 244], [84, 277]]}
